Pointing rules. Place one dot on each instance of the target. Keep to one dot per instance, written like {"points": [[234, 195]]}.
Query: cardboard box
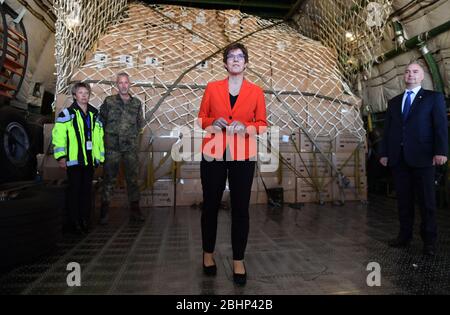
{"points": [[288, 162], [285, 76], [351, 99], [324, 117], [352, 192], [264, 69], [98, 94], [189, 192], [331, 88], [86, 73], [160, 196], [97, 99], [171, 65], [196, 148], [197, 49], [260, 197], [159, 143], [287, 142], [312, 165], [188, 149], [167, 114], [175, 109], [348, 142], [288, 112], [325, 143], [288, 159], [159, 164], [51, 169], [307, 192], [290, 196], [346, 163], [144, 74], [190, 169]]}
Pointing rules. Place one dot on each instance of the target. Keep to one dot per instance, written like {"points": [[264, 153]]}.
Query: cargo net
{"points": [[172, 52], [79, 24], [353, 28]]}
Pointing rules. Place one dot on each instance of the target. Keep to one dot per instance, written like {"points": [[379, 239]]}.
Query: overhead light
{"points": [[349, 36]]}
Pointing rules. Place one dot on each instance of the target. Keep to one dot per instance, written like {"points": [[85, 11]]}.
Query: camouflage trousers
{"points": [[111, 169]]}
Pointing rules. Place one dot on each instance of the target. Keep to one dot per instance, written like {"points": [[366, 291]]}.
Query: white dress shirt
{"points": [[413, 95]]}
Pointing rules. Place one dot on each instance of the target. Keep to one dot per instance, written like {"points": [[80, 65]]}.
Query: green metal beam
{"points": [[416, 40], [434, 69]]}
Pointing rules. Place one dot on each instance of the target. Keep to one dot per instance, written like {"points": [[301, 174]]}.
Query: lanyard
{"points": [[88, 124]]}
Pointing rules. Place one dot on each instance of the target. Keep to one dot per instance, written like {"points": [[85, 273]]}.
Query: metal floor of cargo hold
{"points": [[312, 250]]}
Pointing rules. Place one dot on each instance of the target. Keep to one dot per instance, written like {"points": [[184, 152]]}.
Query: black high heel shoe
{"points": [[209, 270], [239, 278]]}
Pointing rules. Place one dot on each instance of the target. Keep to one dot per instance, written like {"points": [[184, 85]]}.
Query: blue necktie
{"points": [[407, 106]]}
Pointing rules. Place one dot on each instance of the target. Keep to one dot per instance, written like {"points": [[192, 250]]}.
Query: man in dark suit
{"points": [[415, 140]]}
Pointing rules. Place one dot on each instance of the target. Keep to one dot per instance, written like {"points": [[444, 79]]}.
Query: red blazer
{"points": [[249, 109]]}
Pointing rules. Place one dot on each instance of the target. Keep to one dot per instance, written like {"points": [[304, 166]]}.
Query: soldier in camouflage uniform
{"points": [[123, 122]]}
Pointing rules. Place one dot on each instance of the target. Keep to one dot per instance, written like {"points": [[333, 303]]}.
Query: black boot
{"points": [[104, 213], [136, 213]]}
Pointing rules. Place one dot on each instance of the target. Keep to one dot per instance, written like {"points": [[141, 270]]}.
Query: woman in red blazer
{"points": [[233, 111]]}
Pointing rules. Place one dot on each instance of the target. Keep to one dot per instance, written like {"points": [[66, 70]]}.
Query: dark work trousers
{"points": [[240, 178], [411, 182], [79, 191]]}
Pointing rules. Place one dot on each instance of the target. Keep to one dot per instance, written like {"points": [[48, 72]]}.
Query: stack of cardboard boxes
{"points": [[170, 174], [350, 158], [303, 72], [314, 179]]}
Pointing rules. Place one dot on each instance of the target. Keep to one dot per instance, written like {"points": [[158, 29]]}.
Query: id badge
{"points": [[89, 145]]}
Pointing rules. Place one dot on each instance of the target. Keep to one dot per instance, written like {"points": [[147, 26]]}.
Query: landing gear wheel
{"points": [[17, 158]]}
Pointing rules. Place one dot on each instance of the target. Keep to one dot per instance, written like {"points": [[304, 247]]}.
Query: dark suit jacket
{"points": [[424, 134]]}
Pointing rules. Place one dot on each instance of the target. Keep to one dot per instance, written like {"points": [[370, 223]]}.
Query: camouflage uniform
{"points": [[122, 123]]}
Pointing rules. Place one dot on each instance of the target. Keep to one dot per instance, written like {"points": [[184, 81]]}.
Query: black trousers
{"points": [[411, 182], [240, 178], [79, 191]]}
